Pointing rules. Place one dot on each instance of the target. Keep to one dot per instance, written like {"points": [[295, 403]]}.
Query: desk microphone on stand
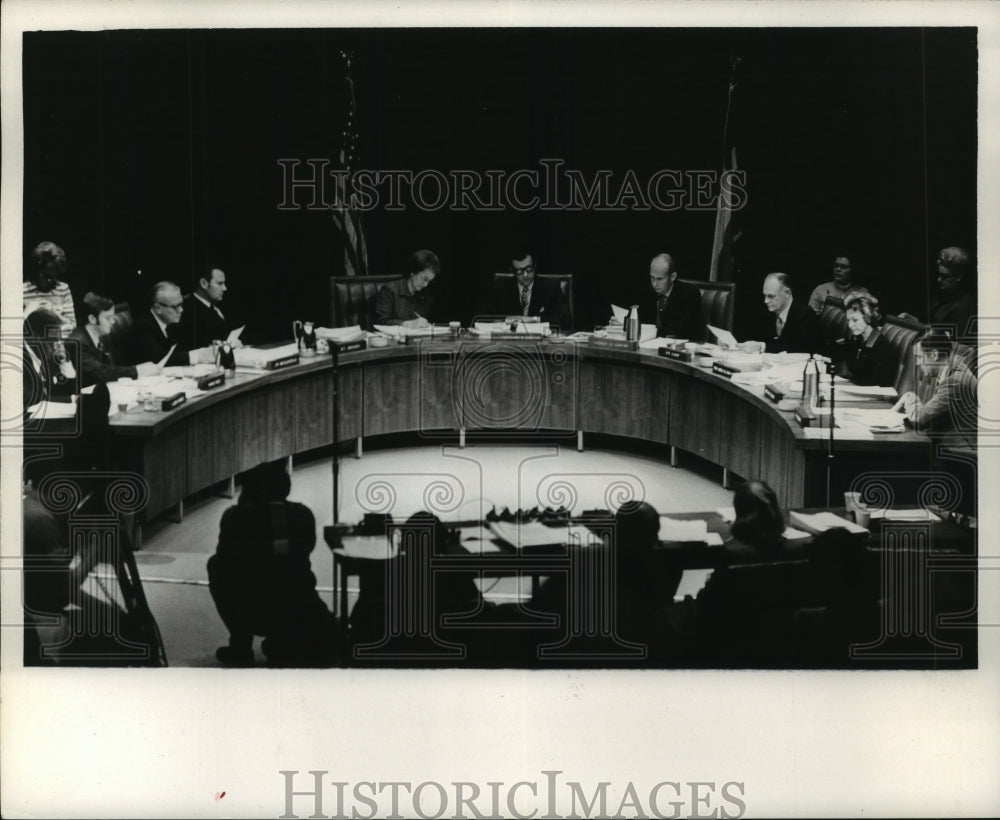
{"points": [[831, 369]]}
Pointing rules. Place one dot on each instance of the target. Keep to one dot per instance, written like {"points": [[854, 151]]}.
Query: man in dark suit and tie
{"points": [[203, 320], [155, 332], [528, 295], [95, 320], [676, 305], [791, 326]]}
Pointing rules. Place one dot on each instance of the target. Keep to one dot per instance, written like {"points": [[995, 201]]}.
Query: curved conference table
{"points": [[554, 390]]}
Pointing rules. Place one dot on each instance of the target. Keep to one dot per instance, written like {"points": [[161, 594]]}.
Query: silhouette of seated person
{"points": [[261, 579], [744, 611], [635, 581], [49, 376], [844, 609], [403, 602]]}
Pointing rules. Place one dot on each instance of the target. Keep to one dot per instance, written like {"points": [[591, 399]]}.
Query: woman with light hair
{"points": [[865, 355]]}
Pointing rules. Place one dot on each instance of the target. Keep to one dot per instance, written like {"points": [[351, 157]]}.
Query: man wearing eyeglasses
{"points": [[154, 333], [956, 302], [528, 295]]}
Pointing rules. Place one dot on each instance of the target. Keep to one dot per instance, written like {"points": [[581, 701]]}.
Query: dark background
{"points": [[148, 150]]}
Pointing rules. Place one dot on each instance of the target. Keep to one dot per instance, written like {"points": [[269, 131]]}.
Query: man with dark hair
{"points": [[528, 295], [677, 305], [43, 288], [840, 286], [950, 403], [203, 320], [408, 302], [791, 326], [956, 302], [95, 320], [155, 332]]}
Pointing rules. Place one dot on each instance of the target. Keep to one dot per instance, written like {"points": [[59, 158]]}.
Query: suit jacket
{"points": [[95, 365], [951, 407], [866, 363], [146, 342], [547, 301], [955, 312], [802, 332], [680, 316], [200, 326], [394, 304]]}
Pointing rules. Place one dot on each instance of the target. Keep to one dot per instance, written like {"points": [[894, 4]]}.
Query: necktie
{"points": [[524, 301], [219, 312], [778, 324]]}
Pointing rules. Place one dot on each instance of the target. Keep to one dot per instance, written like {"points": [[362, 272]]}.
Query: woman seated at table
{"points": [[409, 301], [865, 355], [759, 527]]}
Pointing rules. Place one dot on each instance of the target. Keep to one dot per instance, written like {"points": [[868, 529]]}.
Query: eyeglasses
{"points": [[526, 269], [178, 307]]}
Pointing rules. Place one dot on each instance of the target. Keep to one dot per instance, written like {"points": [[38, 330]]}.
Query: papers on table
{"points": [[904, 515], [792, 534], [728, 514], [847, 388], [881, 420], [52, 410], [340, 334], [234, 335], [528, 534], [652, 344], [487, 328], [841, 431], [371, 547], [726, 339], [673, 530], [259, 357], [619, 312], [692, 582], [193, 371], [823, 521], [473, 540]]}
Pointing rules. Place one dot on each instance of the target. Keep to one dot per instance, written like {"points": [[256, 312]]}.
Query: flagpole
{"points": [[723, 213]]}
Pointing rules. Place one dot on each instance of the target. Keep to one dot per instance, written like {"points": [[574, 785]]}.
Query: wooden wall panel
{"points": [[696, 418], [625, 400]]}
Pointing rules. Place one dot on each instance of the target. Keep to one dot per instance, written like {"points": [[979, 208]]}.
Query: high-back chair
{"points": [[833, 319], [352, 299], [717, 300]]}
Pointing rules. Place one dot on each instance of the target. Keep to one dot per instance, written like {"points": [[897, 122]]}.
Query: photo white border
{"points": [[151, 743]]}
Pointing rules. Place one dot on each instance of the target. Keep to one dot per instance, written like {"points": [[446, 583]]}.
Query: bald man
{"points": [[154, 332], [790, 326], [676, 305]]}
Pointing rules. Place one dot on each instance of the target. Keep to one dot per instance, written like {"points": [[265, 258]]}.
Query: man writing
{"points": [[677, 305], [528, 296]]}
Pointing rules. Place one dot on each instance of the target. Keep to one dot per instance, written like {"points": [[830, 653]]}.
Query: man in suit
{"points": [[95, 320], [677, 305], [528, 296], [955, 304], [153, 333], [791, 326], [203, 320]]}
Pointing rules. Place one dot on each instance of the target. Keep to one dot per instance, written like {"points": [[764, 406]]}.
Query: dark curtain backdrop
{"points": [[148, 150]]}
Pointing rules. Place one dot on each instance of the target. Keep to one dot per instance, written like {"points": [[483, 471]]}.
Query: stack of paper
{"points": [[856, 432], [673, 530], [370, 547], [52, 410], [529, 534], [259, 357], [340, 334], [905, 515], [823, 521]]}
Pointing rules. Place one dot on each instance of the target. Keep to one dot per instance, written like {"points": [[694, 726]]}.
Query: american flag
{"points": [[347, 221], [727, 232]]}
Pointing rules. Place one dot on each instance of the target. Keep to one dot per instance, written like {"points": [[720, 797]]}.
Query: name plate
{"points": [[676, 354], [173, 401], [210, 381], [772, 395], [284, 361], [804, 416], [349, 347], [507, 337], [614, 344], [726, 370]]}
